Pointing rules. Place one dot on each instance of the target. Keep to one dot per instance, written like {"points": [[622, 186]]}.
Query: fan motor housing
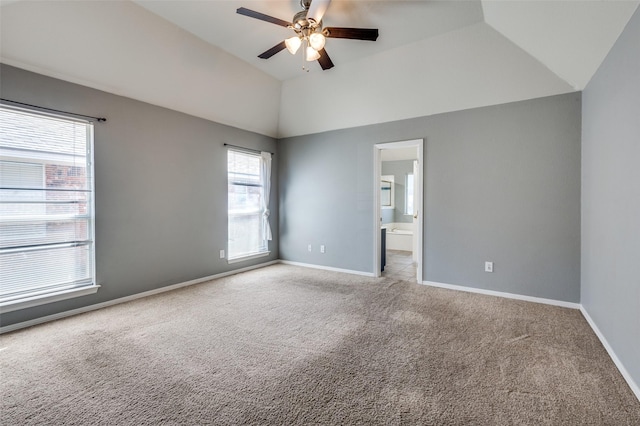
{"points": [[300, 20], [301, 23]]}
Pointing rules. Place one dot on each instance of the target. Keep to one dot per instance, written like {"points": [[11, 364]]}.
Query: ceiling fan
{"points": [[310, 33]]}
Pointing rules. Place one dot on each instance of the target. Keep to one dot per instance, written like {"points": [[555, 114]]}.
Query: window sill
{"points": [[29, 302], [248, 257]]}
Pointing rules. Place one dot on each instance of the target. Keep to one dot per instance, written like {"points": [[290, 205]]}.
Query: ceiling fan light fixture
{"points": [[312, 54], [293, 44], [317, 41], [310, 32]]}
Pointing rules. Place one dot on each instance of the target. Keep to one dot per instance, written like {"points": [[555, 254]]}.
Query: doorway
{"points": [[398, 209]]}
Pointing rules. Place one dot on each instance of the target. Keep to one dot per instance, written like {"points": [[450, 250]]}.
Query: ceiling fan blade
{"points": [[317, 9], [324, 60], [275, 49], [261, 16], [370, 34]]}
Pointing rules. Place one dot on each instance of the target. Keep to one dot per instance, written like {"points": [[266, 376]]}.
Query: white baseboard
{"points": [[89, 308], [505, 295], [632, 384], [326, 268]]}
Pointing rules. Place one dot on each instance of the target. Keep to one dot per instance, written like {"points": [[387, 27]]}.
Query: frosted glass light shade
{"points": [[317, 40], [312, 54], [293, 44]]}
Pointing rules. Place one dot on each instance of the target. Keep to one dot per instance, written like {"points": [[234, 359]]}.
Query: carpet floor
{"points": [[288, 345]]}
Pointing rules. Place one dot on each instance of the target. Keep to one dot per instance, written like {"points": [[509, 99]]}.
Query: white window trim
{"points": [[28, 302], [258, 254], [248, 257]]}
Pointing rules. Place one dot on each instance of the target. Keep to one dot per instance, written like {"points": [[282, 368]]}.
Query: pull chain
{"points": [[304, 53]]}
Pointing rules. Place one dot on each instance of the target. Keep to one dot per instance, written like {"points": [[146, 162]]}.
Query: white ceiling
{"points": [[572, 38], [399, 23], [200, 57]]}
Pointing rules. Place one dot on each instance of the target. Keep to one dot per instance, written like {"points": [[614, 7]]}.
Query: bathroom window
{"points": [[408, 204]]}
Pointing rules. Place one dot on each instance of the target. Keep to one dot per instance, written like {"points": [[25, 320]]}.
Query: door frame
{"points": [[419, 204]]}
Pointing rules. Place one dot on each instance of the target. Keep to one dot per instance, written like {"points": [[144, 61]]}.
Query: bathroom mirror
{"points": [[386, 191]]}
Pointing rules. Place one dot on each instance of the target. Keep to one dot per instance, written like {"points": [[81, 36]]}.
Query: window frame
{"points": [[408, 193], [263, 250], [43, 295]]}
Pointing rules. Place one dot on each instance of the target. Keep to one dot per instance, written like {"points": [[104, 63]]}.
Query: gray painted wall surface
{"points": [[502, 183], [399, 169], [611, 198], [387, 215], [161, 190]]}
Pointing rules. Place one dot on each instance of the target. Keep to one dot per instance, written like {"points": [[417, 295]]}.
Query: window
{"points": [[46, 209], [408, 199], [248, 196]]}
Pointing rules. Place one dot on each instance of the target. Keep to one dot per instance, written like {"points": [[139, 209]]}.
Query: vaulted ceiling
{"points": [[200, 57]]}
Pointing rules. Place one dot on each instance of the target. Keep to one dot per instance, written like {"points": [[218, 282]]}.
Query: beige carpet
{"points": [[287, 345]]}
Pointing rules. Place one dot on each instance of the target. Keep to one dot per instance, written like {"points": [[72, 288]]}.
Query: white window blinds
{"points": [[46, 205]]}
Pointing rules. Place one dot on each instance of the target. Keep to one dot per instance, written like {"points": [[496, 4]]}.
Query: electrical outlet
{"points": [[488, 266], [322, 248], [221, 254], [309, 247]]}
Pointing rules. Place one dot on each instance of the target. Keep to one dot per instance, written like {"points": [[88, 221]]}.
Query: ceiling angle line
{"points": [[98, 119]]}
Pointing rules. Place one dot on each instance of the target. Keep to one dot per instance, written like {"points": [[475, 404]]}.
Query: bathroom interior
{"points": [[398, 213]]}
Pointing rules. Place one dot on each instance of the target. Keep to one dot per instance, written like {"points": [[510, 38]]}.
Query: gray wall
{"points": [[161, 190], [611, 198], [502, 183], [387, 215], [399, 169]]}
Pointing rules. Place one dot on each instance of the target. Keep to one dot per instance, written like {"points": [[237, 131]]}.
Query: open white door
{"points": [[415, 211]]}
